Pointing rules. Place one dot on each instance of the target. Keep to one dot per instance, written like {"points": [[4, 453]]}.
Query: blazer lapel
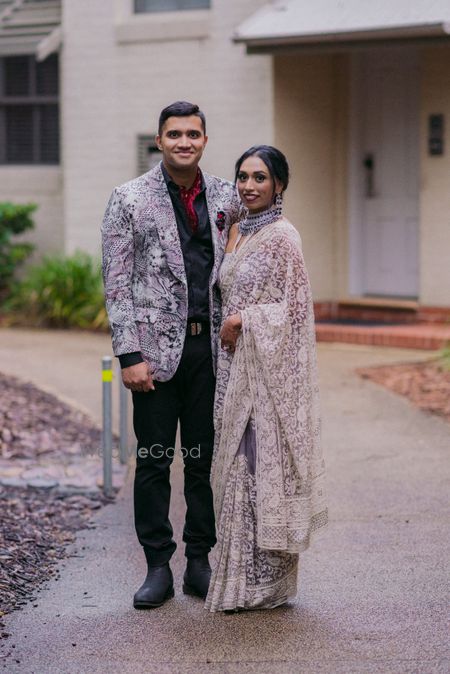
{"points": [[166, 224], [218, 237]]}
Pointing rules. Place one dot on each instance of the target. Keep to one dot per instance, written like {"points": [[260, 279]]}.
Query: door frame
{"points": [[355, 184], [355, 190]]}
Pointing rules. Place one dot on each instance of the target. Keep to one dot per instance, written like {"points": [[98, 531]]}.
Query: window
{"points": [[29, 110], [169, 5], [148, 153]]}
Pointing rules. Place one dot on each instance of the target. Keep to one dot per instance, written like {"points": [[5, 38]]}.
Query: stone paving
{"points": [[83, 473]]}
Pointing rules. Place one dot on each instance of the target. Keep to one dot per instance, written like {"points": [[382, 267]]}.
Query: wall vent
{"points": [[148, 155]]}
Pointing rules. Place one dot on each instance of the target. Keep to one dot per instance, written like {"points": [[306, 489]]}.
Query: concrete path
{"points": [[372, 588]]}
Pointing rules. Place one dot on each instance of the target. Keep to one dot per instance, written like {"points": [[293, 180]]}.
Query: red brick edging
{"points": [[416, 336]]}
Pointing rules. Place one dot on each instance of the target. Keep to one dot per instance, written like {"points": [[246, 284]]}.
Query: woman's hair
{"points": [[274, 160]]}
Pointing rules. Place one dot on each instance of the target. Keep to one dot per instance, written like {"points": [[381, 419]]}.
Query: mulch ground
{"points": [[426, 385], [33, 423], [37, 524], [36, 527]]}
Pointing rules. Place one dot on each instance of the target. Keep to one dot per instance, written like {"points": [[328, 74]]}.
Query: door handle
{"points": [[369, 165]]}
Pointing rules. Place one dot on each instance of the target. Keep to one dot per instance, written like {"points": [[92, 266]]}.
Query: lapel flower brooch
{"points": [[220, 221]]}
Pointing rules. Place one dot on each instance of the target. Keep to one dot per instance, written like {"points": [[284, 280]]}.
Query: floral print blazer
{"points": [[143, 268]]}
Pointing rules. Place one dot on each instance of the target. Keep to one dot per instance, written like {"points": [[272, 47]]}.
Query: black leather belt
{"points": [[195, 328]]}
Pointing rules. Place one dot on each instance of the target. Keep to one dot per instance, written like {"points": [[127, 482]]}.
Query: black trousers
{"points": [[187, 397]]}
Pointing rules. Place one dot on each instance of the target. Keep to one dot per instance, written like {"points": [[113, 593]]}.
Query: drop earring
{"points": [[279, 204]]}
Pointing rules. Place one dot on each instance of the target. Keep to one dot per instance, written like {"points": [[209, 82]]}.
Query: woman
{"points": [[267, 472]]}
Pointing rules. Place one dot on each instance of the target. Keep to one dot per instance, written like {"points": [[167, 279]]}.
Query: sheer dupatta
{"points": [[272, 375]]}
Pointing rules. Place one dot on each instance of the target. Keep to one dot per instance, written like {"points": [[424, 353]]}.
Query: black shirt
{"points": [[198, 256], [198, 251]]}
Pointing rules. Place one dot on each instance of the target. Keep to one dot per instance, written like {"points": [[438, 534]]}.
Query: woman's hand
{"points": [[231, 329]]}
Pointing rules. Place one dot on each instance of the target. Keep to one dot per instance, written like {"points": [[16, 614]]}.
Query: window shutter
{"points": [[49, 134], [29, 110], [47, 76], [19, 134], [17, 76]]}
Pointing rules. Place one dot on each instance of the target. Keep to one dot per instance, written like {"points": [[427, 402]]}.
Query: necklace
{"points": [[253, 223]]}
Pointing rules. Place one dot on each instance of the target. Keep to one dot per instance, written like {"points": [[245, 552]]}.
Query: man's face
{"points": [[182, 142]]}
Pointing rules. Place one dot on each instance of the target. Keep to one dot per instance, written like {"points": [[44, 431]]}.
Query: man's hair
{"points": [[180, 109]]}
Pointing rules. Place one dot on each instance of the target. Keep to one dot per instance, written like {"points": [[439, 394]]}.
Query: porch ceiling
{"points": [[287, 23], [30, 27]]}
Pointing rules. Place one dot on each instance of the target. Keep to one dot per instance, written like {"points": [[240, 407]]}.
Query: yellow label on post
{"points": [[107, 375]]}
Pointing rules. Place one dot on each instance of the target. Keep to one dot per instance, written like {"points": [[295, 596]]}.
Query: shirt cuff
{"points": [[129, 359]]}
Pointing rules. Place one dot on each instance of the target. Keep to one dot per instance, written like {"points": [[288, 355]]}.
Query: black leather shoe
{"points": [[197, 576], [156, 589]]}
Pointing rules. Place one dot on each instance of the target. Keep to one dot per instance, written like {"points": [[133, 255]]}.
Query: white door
{"points": [[389, 166]]}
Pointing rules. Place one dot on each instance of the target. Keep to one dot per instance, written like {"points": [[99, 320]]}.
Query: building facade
{"points": [[358, 97], [362, 107], [118, 67]]}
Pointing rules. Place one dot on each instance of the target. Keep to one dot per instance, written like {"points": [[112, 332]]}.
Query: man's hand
{"points": [[138, 377], [231, 329]]}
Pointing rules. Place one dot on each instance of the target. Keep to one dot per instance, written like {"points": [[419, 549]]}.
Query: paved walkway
{"points": [[372, 588]]}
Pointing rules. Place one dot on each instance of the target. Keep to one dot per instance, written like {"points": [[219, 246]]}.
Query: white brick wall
{"points": [[112, 91], [90, 143], [118, 70], [40, 185]]}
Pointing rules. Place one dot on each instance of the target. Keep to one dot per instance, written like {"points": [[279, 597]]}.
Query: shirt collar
{"points": [[171, 183]]}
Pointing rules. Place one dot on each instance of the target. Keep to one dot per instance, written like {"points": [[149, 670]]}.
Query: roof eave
{"points": [[266, 42]]}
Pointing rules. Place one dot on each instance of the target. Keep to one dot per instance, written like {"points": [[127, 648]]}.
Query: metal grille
{"points": [[19, 134], [17, 76], [169, 5], [29, 110], [148, 154], [47, 77]]}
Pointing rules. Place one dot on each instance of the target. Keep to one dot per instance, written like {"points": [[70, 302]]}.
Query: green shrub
{"points": [[444, 357], [14, 219], [62, 292]]}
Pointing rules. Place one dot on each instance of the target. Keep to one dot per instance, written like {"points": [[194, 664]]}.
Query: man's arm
{"points": [[118, 263], [129, 359]]}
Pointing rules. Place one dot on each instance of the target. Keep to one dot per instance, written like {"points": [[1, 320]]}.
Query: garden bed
{"points": [[36, 527], [425, 384]]}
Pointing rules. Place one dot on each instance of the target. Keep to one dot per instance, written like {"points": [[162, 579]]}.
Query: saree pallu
{"points": [[267, 472]]}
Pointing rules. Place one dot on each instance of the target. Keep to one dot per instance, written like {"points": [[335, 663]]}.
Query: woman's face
{"points": [[255, 184]]}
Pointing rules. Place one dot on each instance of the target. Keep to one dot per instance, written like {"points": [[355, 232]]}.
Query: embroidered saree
{"points": [[267, 471]]}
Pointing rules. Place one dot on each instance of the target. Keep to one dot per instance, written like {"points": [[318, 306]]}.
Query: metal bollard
{"points": [[107, 437], [123, 419]]}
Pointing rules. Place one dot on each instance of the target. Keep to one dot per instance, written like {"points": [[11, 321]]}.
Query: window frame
{"points": [[34, 101], [137, 12]]}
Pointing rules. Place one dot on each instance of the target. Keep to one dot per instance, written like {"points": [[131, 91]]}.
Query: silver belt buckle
{"points": [[195, 329]]}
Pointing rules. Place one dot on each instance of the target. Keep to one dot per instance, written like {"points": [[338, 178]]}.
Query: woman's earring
{"points": [[279, 204]]}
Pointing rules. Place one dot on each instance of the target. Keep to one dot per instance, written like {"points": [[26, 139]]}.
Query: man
{"points": [[164, 235]]}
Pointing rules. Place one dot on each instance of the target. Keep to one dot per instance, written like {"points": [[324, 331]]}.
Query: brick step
{"points": [[430, 336], [380, 310], [377, 314]]}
